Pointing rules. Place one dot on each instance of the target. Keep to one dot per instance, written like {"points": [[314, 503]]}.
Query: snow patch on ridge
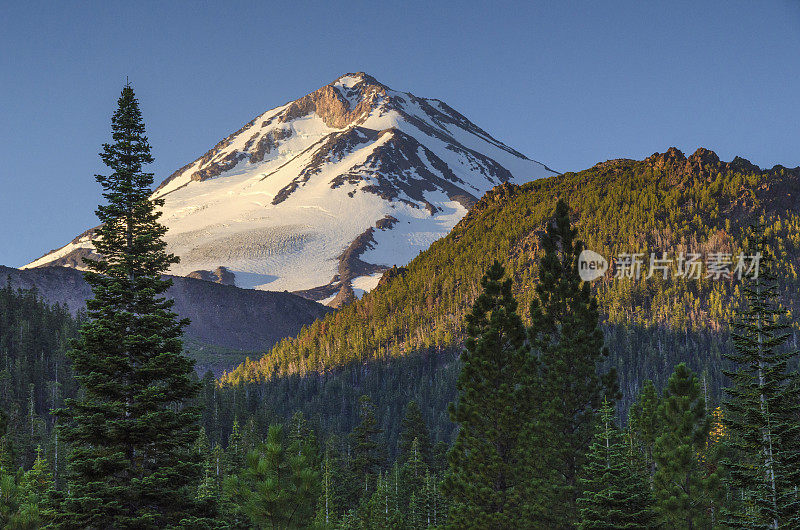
{"points": [[414, 232]]}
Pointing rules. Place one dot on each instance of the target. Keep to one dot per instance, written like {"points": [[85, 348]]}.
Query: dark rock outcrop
{"points": [[344, 297], [390, 274], [219, 275]]}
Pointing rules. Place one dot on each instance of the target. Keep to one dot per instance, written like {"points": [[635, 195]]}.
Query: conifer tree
{"points": [[235, 451], [644, 421], [218, 462], [439, 457], [208, 507], [711, 460], [615, 495], [567, 340], [682, 491], [210, 500], [299, 431], [304, 439], [412, 428], [491, 473], [381, 510], [350, 521], [130, 431], [433, 501], [415, 512], [209, 403], [326, 511], [9, 497], [762, 409], [368, 451], [35, 488], [207, 491], [202, 444], [277, 488], [38, 480], [412, 474], [251, 437], [394, 483]]}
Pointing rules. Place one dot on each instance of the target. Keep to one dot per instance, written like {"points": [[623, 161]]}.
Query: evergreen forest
{"points": [[484, 385]]}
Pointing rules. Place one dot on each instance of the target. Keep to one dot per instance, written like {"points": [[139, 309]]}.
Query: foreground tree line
{"points": [[538, 442]]}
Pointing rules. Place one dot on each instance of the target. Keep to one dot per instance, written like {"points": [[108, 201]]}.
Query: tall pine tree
{"points": [[762, 409], [684, 493], [412, 474], [130, 431], [566, 337], [491, 472], [326, 505]]}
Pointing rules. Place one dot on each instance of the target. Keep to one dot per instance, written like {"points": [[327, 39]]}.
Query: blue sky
{"points": [[566, 83]]}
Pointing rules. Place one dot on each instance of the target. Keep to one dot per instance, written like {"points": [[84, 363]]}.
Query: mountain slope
{"points": [[221, 315], [666, 203], [324, 193]]}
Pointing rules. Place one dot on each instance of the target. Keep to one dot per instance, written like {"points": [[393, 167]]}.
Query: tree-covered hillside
{"points": [[35, 374], [666, 203]]}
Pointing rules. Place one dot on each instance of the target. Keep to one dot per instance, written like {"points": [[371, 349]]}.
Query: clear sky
{"points": [[567, 83]]}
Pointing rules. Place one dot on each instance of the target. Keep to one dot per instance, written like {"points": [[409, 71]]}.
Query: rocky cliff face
{"points": [[298, 199]]}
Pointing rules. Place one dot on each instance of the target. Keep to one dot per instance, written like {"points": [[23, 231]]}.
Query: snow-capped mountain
{"points": [[321, 195]]}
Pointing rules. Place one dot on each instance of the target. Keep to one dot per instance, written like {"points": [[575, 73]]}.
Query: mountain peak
{"points": [[352, 79], [702, 162], [704, 157], [322, 194]]}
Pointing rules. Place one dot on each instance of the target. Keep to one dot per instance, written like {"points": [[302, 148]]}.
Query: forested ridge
{"points": [[35, 374], [665, 203]]}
